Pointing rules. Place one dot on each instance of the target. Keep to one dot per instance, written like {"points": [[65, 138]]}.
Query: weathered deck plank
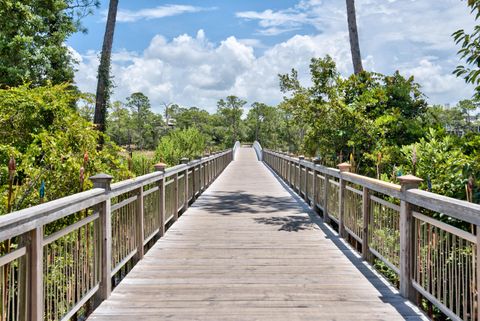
{"points": [[250, 250]]}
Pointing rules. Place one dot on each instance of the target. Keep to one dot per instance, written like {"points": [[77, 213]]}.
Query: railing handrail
{"points": [[459, 209], [258, 150], [236, 146], [22, 221], [396, 225]]}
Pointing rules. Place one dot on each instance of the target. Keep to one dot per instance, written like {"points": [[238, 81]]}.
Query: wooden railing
{"points": [[61, 259], [429, 241]]}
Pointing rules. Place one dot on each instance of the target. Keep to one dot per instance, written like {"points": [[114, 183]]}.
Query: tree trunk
{"points": [[353, 33], [103, 85]]}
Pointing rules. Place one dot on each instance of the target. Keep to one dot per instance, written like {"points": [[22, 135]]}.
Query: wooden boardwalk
{"points": [[249, 249]]}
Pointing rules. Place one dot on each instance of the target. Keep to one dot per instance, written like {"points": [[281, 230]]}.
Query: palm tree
{"points": [[353, 33], [103, 85]]}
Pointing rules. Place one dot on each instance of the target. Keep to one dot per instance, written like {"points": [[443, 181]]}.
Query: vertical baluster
{"points": [[105, 221], [406, 241]]}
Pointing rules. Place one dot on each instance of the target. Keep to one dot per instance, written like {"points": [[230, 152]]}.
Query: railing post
{"points": [[194, 183], [406, 237], [104, 209], [209, 174], [305, 179], [288, 178], [214, 166], [205, 177], [160, 167], [315, 161], [326, 219], [206, 169], [200, 181], [139, 224], [344, 168], [299, 177], [202, 175], [35, 270], [185, 188], [301, 181], [282, 166], [210, 171], [366, 221], [175, 197]]}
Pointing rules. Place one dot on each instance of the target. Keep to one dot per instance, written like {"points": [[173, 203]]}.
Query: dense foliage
{"points": [[384, 128], [363, 116], [380, 123], [50, 143], [470, 50], [180, 143], [32, 40]]}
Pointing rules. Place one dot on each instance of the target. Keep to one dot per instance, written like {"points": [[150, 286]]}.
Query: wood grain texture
{"points": [[248, 249]]}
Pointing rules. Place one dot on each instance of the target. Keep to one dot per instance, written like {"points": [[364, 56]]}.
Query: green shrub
{"points": [[49, 140], [180, 143], [142, 163]]}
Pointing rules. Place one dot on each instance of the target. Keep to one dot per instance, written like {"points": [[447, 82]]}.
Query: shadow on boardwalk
{"points": [[233, 203], [388, 294]]}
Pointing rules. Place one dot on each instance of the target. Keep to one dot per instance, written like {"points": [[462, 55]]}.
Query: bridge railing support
{"points": [[407, 231], [413, 233], [87, 242]]}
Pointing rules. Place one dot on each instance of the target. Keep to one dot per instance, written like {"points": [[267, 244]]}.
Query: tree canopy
{"points": [[32, 40]]}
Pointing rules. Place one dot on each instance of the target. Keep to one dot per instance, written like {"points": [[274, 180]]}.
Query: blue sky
{"points": [[196, 52], [217, 18]]}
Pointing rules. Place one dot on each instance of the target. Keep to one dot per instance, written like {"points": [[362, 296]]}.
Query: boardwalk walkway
{"points": [[248, 249]]}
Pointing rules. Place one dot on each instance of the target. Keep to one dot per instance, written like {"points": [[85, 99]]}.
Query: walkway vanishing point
{"points": [[251, 249]]}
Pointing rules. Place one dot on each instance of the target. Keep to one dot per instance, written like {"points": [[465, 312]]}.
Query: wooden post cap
{"points": [[409, 181], [316, 160], [344, 167], [184, 160], [160, 167], [301, 157], [101, 181]]}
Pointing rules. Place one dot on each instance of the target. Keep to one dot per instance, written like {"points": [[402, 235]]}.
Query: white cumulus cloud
{"points": [[193, 71], [167, 10], [413, 37]]}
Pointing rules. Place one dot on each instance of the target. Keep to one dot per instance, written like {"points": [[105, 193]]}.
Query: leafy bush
{"points": [[142, 163], [441, 163], [50, 142], [180, 143]]}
